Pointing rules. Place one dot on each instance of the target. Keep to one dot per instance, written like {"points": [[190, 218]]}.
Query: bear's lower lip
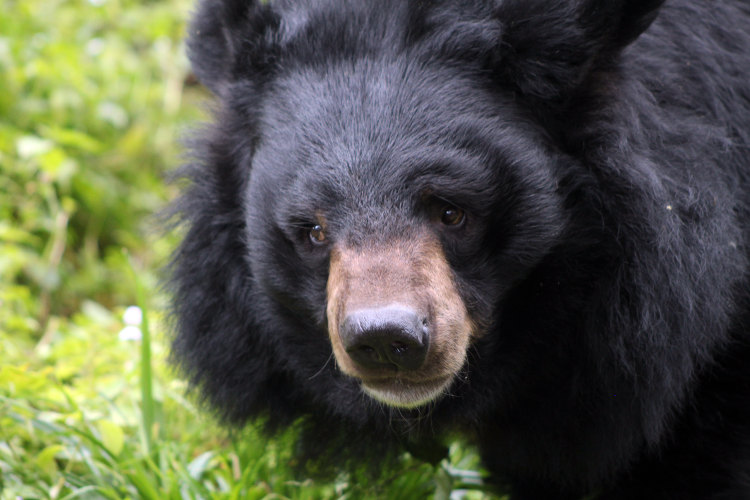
{"points": [[406, 393]]}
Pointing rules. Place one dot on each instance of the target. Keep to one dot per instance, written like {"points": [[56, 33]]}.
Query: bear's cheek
{"points": [[396, 321]]}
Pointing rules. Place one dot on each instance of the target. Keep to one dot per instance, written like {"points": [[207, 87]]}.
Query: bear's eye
{"points": [[452, 216], [317, 234]]}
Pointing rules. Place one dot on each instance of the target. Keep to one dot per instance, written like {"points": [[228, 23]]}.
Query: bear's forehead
{"points": [[365, 149], [368, 138], [375, 97], [359, 117]]}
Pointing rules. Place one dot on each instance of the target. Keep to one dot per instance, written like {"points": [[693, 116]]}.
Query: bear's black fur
{"points": [[564, 183]]}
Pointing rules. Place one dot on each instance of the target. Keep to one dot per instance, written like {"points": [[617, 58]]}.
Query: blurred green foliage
{"points": [[94, 96]]}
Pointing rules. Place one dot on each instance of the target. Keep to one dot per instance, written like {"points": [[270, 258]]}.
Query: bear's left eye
{"points": [[452, 216], [317, 234]]}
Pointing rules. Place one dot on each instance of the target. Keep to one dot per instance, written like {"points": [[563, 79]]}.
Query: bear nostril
{"points": [[399, 347], [388, 336], [364, 352]]}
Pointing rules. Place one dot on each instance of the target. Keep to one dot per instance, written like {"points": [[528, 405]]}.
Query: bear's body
{"points": [[524, 220]]}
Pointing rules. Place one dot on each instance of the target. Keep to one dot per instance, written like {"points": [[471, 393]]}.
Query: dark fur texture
{"points": [[601, 152]]}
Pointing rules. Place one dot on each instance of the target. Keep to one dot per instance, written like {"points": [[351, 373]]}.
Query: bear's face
{"points": [[389, 204], [378, 178]]}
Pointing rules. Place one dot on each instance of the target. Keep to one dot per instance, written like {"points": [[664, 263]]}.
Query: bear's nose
{"points": [[391, 335]]}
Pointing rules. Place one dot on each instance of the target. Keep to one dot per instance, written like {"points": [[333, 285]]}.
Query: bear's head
{"points": [[378, 177]]}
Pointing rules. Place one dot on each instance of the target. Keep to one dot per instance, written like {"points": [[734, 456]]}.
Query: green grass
{"points": [[94, 99]]}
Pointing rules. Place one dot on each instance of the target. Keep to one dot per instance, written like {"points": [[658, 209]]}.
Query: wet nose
{"points": [[375, 338]]}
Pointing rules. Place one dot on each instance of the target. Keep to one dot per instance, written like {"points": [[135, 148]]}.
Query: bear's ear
{"points": [[549, 47], [228, 37]]}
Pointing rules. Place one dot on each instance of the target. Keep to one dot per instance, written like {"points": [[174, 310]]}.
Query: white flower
{"points": [[133, 316], [130, 332]]}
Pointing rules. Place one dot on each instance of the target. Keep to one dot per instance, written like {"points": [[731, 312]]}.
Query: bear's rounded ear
{"points": [[549, 47], [227, 38]]}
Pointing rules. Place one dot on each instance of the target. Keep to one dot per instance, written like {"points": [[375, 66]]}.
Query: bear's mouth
{"points": [[404, 393]]}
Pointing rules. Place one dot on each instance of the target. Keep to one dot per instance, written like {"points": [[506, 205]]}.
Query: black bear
{"points": [[524, 221]]}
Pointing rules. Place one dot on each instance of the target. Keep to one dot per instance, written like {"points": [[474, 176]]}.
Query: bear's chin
{"points": [[406, 394]]}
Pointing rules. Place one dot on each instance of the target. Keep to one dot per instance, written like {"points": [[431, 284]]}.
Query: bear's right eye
{"points": [[317, 234]]}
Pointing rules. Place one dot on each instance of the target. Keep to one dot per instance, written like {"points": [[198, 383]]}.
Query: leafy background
{"points": [[94, 96]]}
